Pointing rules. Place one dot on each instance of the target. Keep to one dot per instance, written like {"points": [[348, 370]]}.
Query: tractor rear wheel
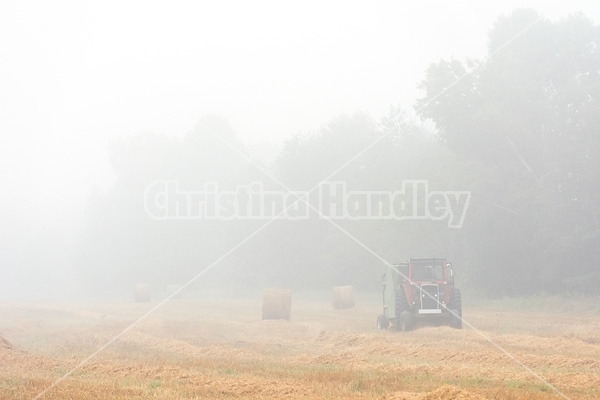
{"points": [[403, 316], [456, 308]]}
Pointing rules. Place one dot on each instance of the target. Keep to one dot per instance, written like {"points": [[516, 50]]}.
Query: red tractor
{"points": [[422, 288]]}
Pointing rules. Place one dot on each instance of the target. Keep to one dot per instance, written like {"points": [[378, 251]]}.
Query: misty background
{"points": [[98, 100]]}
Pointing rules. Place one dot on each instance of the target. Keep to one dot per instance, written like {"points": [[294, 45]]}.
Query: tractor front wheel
{"points": [[404, 323], [382, 322]]}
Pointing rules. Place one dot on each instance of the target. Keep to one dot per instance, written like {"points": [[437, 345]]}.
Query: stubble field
{"points": [[219, 348]]}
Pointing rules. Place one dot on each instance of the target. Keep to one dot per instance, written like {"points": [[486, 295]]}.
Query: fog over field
{"points": [[316, 200], [101, 99]]}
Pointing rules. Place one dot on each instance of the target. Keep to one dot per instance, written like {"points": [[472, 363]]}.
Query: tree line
{"points": [[519, 130]]}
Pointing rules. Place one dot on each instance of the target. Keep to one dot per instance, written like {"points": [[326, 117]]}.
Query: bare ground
{"points": [[219, 348]]}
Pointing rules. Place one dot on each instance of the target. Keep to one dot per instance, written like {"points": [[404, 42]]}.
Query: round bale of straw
{"points": [[171, 289], [342, 297], [277, 304], [142, 293]]}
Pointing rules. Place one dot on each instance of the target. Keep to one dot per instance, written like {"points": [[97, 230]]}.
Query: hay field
{"points": [[210, 348]]}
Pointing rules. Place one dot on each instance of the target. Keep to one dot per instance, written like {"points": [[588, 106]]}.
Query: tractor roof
{"points": [[428, 261]]}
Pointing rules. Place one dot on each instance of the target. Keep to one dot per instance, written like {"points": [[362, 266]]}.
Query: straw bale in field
{"points": [[277, 304], [342, 297]]}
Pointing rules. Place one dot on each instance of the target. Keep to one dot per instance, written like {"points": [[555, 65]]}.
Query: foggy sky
{"points": [[74, 75]]}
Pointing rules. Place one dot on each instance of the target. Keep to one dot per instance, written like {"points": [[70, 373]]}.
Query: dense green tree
{"points": [[529, 114]]}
